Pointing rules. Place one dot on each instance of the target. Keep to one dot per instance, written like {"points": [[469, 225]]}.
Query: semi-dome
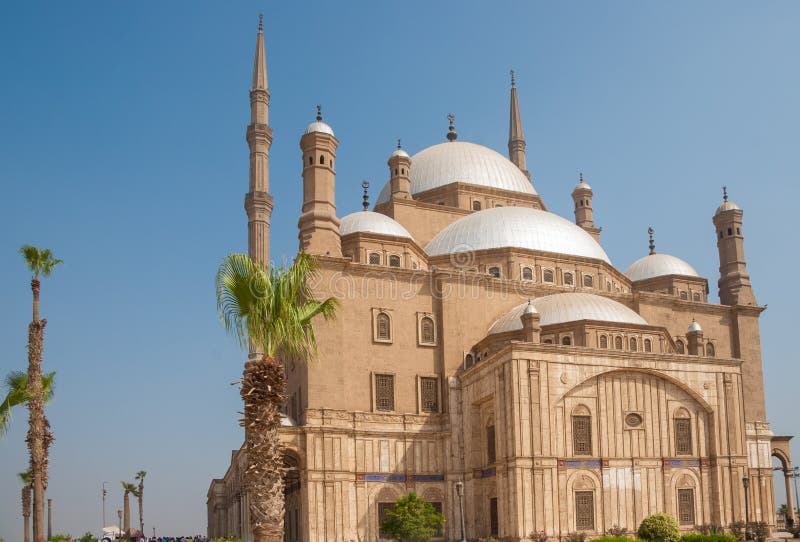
{"points": [[569, 307], [515, 227], [659, 265], [462, 162], [371, 222]]}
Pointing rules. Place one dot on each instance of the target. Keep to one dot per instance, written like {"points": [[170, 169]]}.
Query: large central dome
{"points": [[462, 162], [515, 227]]}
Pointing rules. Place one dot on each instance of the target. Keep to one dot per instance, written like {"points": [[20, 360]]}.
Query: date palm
{"points": [[126, 505], [270, 311], [26, 479], [41, 263], [140, 495], [16, 383]]}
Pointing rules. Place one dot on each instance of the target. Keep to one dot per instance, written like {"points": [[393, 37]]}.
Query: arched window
{"points": [[588, 281], [384, 325], [686, 506], [680, 347], [568, 279], [427, 330], [495, 272], [683, 432], [684, 295], [527, 273], [603, 341], [618, 343], [696, 296], [581, 431], [321, 158], [491, 451], [634, 347], [581, 203], [395, 171], [730, 232], [310, 160], [469, 360], [608, 286], [548, 341], [394, 260], [566, 341], [710, 352], [547, 275], [648, 345], [476, 205], [374, 258], [402, 171]]}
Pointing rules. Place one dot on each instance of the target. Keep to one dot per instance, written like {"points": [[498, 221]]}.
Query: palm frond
{"points": [[141, 474], [25, 477], [39, 261], [128, 487]]}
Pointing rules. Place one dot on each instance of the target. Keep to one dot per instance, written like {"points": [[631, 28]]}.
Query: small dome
{"points": [[582, 186], [727, 206], [319, 126], [516, 227], [659, 265], [569, 307], [694, 326], [400, 152], [462, 162], [370, 222], [530, 309]]}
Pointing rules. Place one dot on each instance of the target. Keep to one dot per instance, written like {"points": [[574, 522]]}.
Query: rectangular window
{"points": [[437, 506], [384, 393], [686, 506], [429, 392], [582, 435], [493, 517], [584, 511], [683, 436], [382, 508], [491, 454]]}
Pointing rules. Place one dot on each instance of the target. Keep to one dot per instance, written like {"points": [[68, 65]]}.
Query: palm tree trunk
{"points": [[263, 392], [26, 511], [36, 421], [141, 517], [126, 514]]}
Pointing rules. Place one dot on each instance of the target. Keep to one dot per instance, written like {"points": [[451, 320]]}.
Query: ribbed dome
{"points": [[517, 227], [460, 161], [370, 222], [569, 307], [659, 265], [319, 126]]}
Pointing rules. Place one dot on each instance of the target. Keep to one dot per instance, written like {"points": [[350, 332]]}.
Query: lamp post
{"points": [[460, 493], [746, 485], [119, 515], [154, 532], [795, 474], [104, 505]]}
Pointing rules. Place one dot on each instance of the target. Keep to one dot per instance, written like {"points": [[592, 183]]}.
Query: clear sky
{"points": [[122, 148]]}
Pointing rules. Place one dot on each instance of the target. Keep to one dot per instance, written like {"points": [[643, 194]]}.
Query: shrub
{"points": [[710, 528], [87, 537], [412, 519], [579, 536], [660, 528], [540, 536], [61, 538], [716, 537], [616, 530], [737, 530], [613, 539], [759, 531]]}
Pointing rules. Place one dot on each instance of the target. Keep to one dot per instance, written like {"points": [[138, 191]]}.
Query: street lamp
{"points": [[460, 493], [795, 474], [746, 484], [104, 505], [119, 515]]}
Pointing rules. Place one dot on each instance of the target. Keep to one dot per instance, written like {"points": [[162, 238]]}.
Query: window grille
{"points": [[618, 343], [429, 391], [710, 352], [648, 345], [495, 272], [582, 435], [374, 258], [568, 280], [683, 436], [527, 273], [588, 281], [394, 261], [427, 331], [491, 453], [686, 506], [494, 526], [603, 341], [584, 510], [384, 325], [547, 275], [684, 296], [384, 393], [566, 341], [633, 346], [696, 296], [476, 205]]}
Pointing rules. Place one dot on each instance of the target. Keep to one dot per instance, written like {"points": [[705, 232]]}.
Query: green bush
{"points": [[88, 537], [613, 539], [660, 528], [61, 538], [579, 536], [413, 519], [716, 537], [709, 528]]}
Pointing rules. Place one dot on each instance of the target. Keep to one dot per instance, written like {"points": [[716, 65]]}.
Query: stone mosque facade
{"points": [[484, 340]]}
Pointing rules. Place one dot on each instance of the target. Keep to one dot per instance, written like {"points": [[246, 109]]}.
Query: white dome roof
{"points": [[583, 185], [517, 227], [319, 126], [399, 152], [370, 222], [727, 206], [464, 162], [569, 307], [694, 326], [659, 265]]}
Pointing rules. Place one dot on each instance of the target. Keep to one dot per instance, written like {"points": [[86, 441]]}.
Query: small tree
{"points": [[88, 537], [413, 519], [660, 528]]}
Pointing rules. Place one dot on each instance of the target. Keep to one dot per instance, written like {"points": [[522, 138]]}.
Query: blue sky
{"points": [[122, 148]]}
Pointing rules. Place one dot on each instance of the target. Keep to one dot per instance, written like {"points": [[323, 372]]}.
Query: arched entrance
{"points": [[780, 451], [293, 506]]}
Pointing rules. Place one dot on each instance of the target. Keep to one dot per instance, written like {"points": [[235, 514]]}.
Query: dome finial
{"points": [[724, 193], [260, 22], [580, 177], [513, 82], [452, 135], [651, 231], [398, 143], [365, 198], [319, 113]]}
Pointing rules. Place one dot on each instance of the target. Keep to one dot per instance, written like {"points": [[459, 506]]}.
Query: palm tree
{"points": [[17, 384], [40, 263], [126, 506], [270, 310], [140, 494], [25, 478]]}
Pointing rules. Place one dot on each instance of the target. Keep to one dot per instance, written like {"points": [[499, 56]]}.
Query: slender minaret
{"points": [[516, 138], [400, 173], [584, 215], [258, 201], [734, 281]]}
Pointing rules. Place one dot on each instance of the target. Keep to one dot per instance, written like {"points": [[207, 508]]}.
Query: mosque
{"points": [[488, 356]]}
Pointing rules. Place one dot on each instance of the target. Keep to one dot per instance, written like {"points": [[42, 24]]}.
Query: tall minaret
{"points": [[258, 201], [734, 281], [516, 139]]}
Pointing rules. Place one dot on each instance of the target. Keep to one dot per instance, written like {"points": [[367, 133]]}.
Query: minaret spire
{"points": [[258, 201], [516, 138]]}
